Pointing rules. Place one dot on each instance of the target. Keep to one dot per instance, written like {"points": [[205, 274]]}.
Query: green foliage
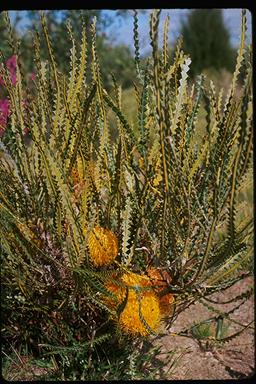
{"points": [[116, 59], [206, 40], [202, 331], [172, 203]]}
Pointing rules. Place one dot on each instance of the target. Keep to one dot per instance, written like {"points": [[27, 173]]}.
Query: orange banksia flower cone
{"points": [[103, 246], [160, 281]]}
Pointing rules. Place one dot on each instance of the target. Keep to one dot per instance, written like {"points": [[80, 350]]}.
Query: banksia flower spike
{"points": [[131, 318], [141, 314], [103, 246]]}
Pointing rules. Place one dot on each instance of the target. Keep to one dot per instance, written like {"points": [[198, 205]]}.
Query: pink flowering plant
{"points": [[11, 65], [4, 114], [9, 76]]}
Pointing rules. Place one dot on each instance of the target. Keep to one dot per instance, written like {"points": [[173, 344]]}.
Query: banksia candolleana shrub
{"points": [[79, 206]]}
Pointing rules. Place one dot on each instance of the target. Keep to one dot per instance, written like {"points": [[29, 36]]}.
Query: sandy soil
{"points": [[204, 360]]}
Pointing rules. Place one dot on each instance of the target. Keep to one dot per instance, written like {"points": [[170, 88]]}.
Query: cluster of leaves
{"points": [[164, 192], [116, 59]]}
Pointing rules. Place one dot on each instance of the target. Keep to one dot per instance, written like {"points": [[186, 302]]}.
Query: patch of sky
{"points": [[232, 19], [120, 30]]}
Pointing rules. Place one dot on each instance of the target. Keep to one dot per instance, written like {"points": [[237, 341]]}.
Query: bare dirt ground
{"points": [[232, 360]]}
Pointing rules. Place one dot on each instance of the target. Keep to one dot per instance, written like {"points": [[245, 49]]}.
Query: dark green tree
{"points": [[206, 39]]}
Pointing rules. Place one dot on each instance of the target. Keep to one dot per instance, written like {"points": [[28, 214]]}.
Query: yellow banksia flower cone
{"points": [[103, 246], [141, 314]]}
